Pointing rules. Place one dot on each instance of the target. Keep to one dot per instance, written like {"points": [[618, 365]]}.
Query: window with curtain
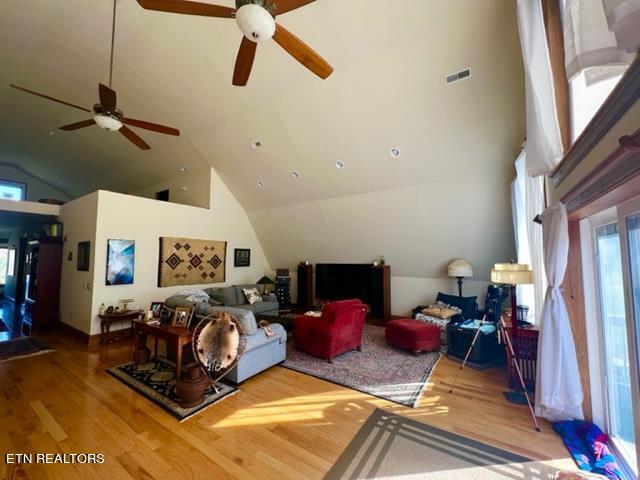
{"points": [[601, 38]]}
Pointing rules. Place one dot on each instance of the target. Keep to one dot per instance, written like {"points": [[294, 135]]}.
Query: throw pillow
{"points": [[441, 311], [252, 295]]}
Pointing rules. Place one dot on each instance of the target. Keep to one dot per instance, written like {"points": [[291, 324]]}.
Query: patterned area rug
{"points": [[391, 446], [156, 380], [22, 347], [380, 370]]}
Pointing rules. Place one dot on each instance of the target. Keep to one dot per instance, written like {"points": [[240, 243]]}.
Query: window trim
{"points": [[14, 183]]}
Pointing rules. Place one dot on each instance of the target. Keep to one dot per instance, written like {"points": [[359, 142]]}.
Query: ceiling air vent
{"points": [[456, 77]]}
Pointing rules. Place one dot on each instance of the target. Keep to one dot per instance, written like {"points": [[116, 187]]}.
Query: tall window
{"points": [[12, 190], [611, 264]]}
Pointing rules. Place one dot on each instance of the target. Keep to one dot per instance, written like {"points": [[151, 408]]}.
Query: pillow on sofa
{"points": [[252, 295], [240, 291], [468, 305], [224, 296]]}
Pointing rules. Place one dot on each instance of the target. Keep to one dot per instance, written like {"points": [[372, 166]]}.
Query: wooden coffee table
{"points": [[176, 336]]}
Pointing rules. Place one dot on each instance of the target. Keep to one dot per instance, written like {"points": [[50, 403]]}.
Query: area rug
{"points": [[156, 380], [22, 347], [187, 261], [379, 370], [392, 446]]}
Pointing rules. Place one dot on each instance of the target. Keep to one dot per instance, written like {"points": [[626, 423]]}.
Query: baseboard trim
{"points": [[90, 340]]}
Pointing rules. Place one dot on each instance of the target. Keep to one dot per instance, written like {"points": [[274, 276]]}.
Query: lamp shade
{"points": [[265, 281], [511, 274], [460, 268]]}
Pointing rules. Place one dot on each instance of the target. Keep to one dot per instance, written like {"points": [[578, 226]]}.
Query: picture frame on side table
{"points": [[242, 257], [156, 308], [181, 317]]}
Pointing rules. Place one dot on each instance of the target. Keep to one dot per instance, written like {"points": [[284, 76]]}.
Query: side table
{"points": [[179, 337], [106, 319]]}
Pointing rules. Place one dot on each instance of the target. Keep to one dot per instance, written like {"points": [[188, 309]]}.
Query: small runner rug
{"points": [[390, 446], [22, 347], [156, 380], [379, 370]]}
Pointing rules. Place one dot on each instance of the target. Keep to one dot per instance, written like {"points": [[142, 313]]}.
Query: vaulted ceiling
{"points": [[388, 89]]}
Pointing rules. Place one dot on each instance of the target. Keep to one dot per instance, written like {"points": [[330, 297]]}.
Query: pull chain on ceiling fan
{"points": [[256, 20], [106, 114]]}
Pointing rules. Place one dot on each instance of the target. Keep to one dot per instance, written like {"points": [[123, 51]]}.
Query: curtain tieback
{"points": [[553, 289]]}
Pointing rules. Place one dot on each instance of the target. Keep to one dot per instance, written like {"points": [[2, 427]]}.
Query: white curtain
{"points": [[600, 33], [544, 146], [558, 389], [527, 202]]}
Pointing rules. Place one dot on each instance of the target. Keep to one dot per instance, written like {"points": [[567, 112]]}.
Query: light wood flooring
{"points": [[281, 425]]}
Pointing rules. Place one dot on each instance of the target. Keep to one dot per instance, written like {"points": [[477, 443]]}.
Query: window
{"points": [[611, 265], [4, 264], [12, 190]]}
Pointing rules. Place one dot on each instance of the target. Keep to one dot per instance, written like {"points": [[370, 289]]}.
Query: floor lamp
{"points": [[512, 274]]}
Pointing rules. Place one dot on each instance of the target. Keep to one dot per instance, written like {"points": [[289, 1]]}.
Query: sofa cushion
{"points": [[261, 307], [225, 296], [240, 291], [468, 305], [252, 295]]}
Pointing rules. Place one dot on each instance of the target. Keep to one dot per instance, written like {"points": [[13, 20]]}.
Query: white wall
{"points": [[197, 184], [36, 189], [419, 230], [79, 219], [145, 221]]}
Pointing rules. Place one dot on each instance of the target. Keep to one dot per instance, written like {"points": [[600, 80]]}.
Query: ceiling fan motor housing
{"points": [[256, 22]]}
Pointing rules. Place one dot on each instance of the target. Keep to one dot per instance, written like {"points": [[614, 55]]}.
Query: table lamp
{"points": [[460, 269], [512, 274], [266, 281]]}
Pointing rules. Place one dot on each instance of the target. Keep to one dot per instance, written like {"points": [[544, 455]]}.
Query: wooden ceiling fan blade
{"points": [[154, 127], [134, 138], [188, 8], [49, 98], [302, 52], [78, 125], [244, 62], [108, 98], [284, 6]]}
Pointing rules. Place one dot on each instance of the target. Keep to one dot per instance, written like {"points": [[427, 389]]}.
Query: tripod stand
{"points": [[502, 331]]}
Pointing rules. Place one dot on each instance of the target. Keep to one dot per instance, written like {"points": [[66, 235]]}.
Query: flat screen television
{"points": [[340, 281]]}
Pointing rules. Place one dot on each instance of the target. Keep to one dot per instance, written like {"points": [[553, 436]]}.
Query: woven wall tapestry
{"points": [[185, 261]]}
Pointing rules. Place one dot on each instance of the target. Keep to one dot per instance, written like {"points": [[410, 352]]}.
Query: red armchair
{"points": [[337, 331]]}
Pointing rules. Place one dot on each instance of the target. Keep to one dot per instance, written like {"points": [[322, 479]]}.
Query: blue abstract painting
{"points": [[121, 256]]}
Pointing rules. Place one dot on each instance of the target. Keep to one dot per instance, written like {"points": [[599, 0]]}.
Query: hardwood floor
{"points": [[281, 425]]}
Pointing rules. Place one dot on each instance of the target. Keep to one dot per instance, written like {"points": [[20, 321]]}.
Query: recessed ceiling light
{"points": [[395, 152], [339, 165], [260, 183], [295, 174], [183, 169], [255, 145]]}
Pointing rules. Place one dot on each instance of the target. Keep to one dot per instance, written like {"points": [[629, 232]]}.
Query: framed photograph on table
{"points": [[242, 257], [156, 308], [181, 317]]}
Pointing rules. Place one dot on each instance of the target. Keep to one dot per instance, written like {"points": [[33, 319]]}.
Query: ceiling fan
{"points": [[256, 20], [106, 114]]}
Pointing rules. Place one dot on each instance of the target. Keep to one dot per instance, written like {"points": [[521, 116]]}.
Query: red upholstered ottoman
{"points": [[413, 335]]}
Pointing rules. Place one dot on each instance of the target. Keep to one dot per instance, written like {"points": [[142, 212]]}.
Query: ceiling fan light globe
{"points": [[256, 23], [108, 123]]}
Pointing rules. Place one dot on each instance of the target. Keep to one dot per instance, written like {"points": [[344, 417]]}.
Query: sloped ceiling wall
{"points": [[446, 196]]}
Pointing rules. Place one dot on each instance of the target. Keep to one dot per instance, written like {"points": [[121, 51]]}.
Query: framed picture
{"points": [[156, 308], [242, 257], [181, 317], [84, 251], [120, 261], [166, 315]]}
